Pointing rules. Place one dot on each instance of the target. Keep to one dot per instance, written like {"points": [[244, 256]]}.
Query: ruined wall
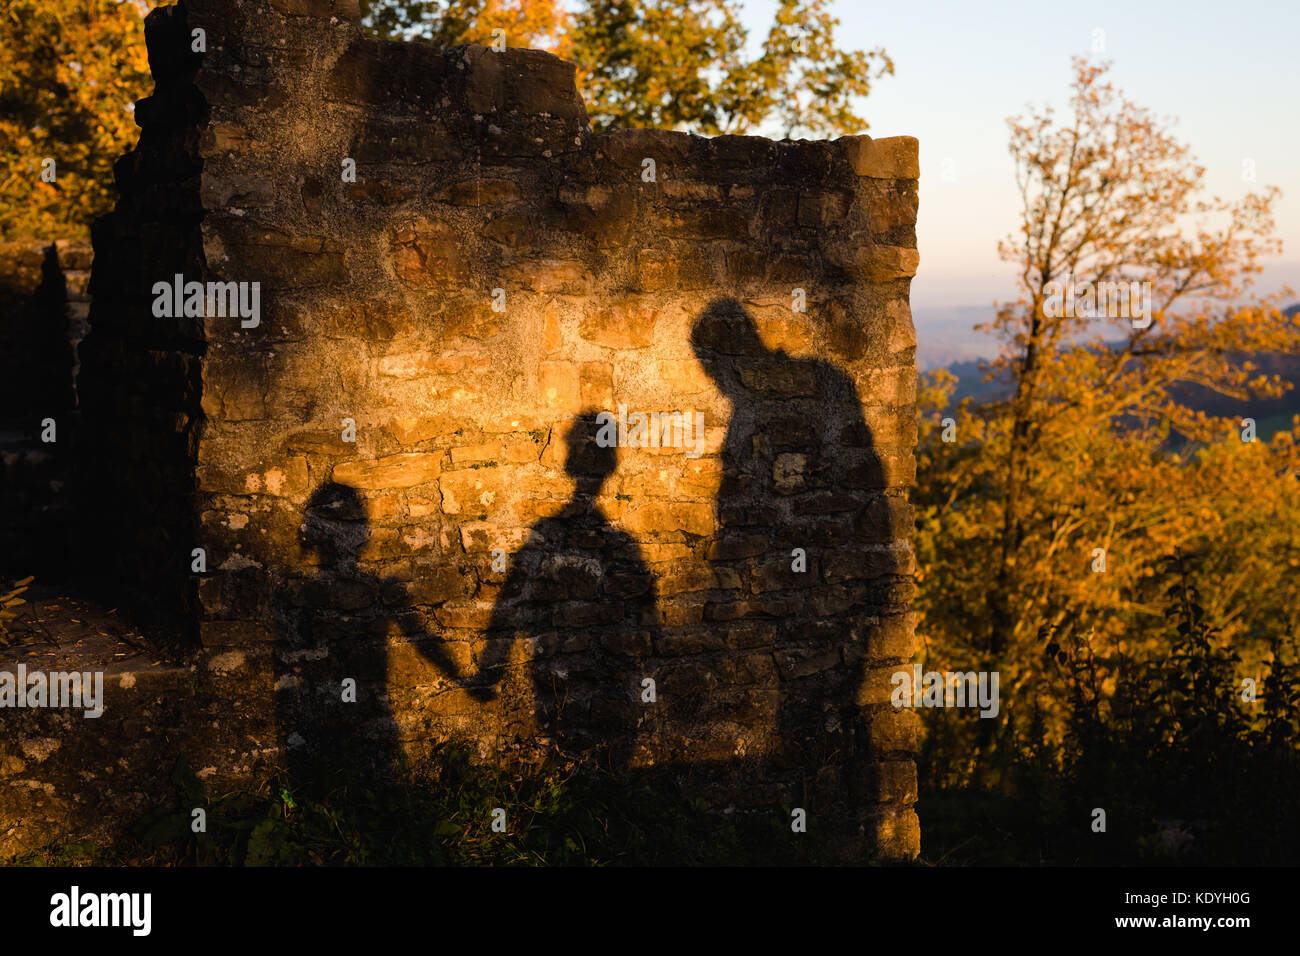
{"points": [[139, 380], [391, 474], [43, 307], [35, 352]]}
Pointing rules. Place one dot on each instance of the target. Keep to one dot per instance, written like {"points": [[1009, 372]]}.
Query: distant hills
{"points": [[946, 335], [942, 342]]}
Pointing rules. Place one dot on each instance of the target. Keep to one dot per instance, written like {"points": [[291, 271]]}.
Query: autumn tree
{"points": [[1047, 512], [70, 73], [539, 24], [672, 65], [684, 66]]}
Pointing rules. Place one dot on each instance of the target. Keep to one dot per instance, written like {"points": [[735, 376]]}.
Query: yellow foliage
{"points": [[1096, 445], [8, 601], [70, 72]]}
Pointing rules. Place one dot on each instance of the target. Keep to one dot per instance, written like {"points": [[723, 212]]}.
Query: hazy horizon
{"points": [[961, 71], [946, 308]]}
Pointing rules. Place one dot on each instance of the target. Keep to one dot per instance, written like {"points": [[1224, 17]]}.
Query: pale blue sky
{"points": [[1228, 72]]}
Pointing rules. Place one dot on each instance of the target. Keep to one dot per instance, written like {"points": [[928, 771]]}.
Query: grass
{"points": [[557, 814]]}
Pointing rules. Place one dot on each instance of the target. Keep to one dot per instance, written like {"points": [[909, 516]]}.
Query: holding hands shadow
{"points": [[580, 596], [333, 627]]}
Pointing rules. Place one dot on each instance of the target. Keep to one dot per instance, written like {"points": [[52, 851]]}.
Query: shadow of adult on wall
{"points": [[578, 594], [800, 475], [799, 574]]}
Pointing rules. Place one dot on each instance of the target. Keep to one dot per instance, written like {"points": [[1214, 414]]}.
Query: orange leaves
{"points": [[72, 66], [1106, 438]]}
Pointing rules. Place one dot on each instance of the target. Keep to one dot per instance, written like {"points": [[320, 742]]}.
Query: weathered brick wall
{"points": [[139, 379], [495, 272]]}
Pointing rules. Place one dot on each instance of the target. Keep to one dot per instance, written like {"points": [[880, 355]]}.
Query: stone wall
{"points": [[43, 309], [140, 377], [34, 346], [396, 476]]}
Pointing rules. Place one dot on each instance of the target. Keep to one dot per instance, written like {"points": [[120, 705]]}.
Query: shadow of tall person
{"points": [[799, 477], [334, 625], [580, 597]]}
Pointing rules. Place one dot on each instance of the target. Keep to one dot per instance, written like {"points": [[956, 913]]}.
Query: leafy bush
{"points": [[9, 601], [1186, 766]]}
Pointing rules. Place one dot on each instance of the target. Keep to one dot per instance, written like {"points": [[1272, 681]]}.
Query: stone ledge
{"points": [[894, 157]]}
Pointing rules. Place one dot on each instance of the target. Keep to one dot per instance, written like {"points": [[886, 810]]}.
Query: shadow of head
{"points": [[334, 525], [724, 337], [592, 450]]}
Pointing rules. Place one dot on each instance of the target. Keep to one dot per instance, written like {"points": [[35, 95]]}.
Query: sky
{"points": [[1227, 72]]}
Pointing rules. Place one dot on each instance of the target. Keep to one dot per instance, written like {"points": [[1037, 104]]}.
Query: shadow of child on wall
{"points": [[334, 625], [580, 595], [799, 473]]}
